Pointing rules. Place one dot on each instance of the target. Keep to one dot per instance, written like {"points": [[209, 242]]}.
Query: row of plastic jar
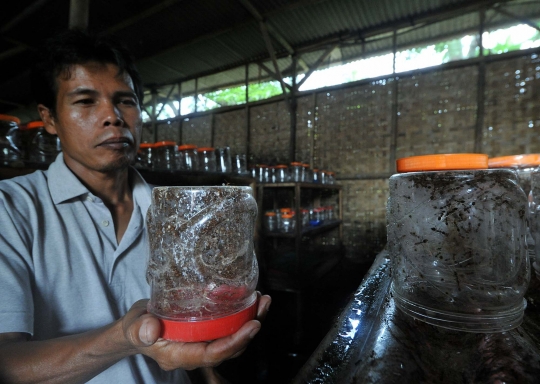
{"points": [[284, 219], [296, 172], [168, 156], [20, 143], [459, 237]]}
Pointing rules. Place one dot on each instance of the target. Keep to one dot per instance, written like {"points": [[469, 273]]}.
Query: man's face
{"points": [[98, 118]]}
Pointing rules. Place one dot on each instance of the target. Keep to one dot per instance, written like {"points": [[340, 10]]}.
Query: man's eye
{"points": [[128, 102], [84, 101]]}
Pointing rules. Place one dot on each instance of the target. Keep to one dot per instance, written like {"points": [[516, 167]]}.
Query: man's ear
{"points": [[47, 118]]}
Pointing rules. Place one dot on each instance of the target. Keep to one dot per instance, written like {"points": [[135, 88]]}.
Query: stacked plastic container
{"points": [[456, 238]]}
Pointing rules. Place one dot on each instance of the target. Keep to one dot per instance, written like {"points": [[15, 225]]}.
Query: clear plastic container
{"points": [[202, 269], [239, 164], [282, 173], [223, 160], [10, 148], [270, 221], [164, 156], [144, 157], [456, 238], [38, 145], [296, 171], [524, 165], [305, 217], [188, 159], [207, 159], [307, 174], [288, 223], [262, 173], [324, 177], [316, 176]]}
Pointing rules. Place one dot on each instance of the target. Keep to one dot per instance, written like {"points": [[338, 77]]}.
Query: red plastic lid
{"points": [[296, 163], [10, 118], [186, 146], [206, 330], [283, 210], [280, 166], [165, 143], [146, 145], [270, 214], [35, 124], [514, 161], [287, 216], [451, 161], [305, 165], [205, 149]]}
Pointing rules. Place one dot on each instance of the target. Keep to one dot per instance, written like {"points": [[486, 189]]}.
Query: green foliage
{"points": [[237, 95]]}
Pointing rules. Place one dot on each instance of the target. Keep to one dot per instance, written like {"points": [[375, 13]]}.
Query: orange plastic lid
{"points": [[186, 146], [283, 210], [296, 163], [35, 124], [146, 145], [206, 149], [280, 166], [164, 143], [206, 330], [10, 118], [270, 214], [449, 161], [514, 161], [262, 166], [315, 170], [287, 216], [305, 165]]}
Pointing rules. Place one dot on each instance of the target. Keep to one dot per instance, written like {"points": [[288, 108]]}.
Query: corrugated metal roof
{"points": [[178, 40]]}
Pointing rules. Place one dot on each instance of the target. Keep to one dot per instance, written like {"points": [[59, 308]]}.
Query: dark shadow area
{"points": [[278, 352]]}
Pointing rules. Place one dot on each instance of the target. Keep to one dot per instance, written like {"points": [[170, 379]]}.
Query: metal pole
{"points": [[394, 122], [154, 117], [179, 113], [248, 125], [78, 14], [293, 108], [480, 92]]}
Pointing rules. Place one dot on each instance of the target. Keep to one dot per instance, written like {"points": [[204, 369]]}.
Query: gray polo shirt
{"points": [[62, 270]]}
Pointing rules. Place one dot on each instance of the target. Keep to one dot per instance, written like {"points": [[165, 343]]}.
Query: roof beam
{"points": [[317, 64], [274, 75], [23, 15], [270, 49], [271, 30], [141, 16], [516, 17]]}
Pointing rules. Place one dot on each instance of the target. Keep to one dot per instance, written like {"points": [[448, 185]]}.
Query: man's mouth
{"points": [[116, 143]]}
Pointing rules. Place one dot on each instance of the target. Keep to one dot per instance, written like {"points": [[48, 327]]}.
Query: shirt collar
{"points": [[64, 185]]}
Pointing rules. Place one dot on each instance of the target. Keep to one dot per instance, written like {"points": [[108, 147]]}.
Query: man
{"points": [[72, 238]]}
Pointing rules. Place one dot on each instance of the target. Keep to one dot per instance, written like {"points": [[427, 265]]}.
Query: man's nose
{"points": [[111, 115]]}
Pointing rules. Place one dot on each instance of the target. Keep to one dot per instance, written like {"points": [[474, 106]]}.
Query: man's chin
{"points": [[117, 165]]}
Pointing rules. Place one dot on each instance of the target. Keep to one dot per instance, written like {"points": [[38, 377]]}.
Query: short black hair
{"points": [[73, 47]]}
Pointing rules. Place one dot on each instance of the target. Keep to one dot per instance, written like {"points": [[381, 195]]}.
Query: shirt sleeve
{"points": [[16, 300]]}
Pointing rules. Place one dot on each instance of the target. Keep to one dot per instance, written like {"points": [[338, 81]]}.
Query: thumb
{"points": [[149, 330]]}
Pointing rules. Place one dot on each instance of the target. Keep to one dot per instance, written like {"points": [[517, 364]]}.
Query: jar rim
{"points": [[10, 118], [164, 143], [447, 161], [514, 160]]}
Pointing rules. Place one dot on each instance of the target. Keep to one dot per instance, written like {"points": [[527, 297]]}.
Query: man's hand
{"points": [[142, 330]]}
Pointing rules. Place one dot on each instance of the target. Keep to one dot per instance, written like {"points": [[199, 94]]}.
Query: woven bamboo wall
{"points": [[270, 133], [437, 112], [349, 130], [230, 130], [512, 107]]}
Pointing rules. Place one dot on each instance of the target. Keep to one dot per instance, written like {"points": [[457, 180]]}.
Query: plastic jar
{"points": [[202, 268], [281, 173], [456, 238], [316, 176], [296, 170], [10, 151], [188, 159], [144, 157], [270, 221], [223, 159], [305, 217], [207, 159], [262, 173], [164, 156], [324, 177], [239, 165], [307, 174], [288, 223], [524, 165], [38, 145]]}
